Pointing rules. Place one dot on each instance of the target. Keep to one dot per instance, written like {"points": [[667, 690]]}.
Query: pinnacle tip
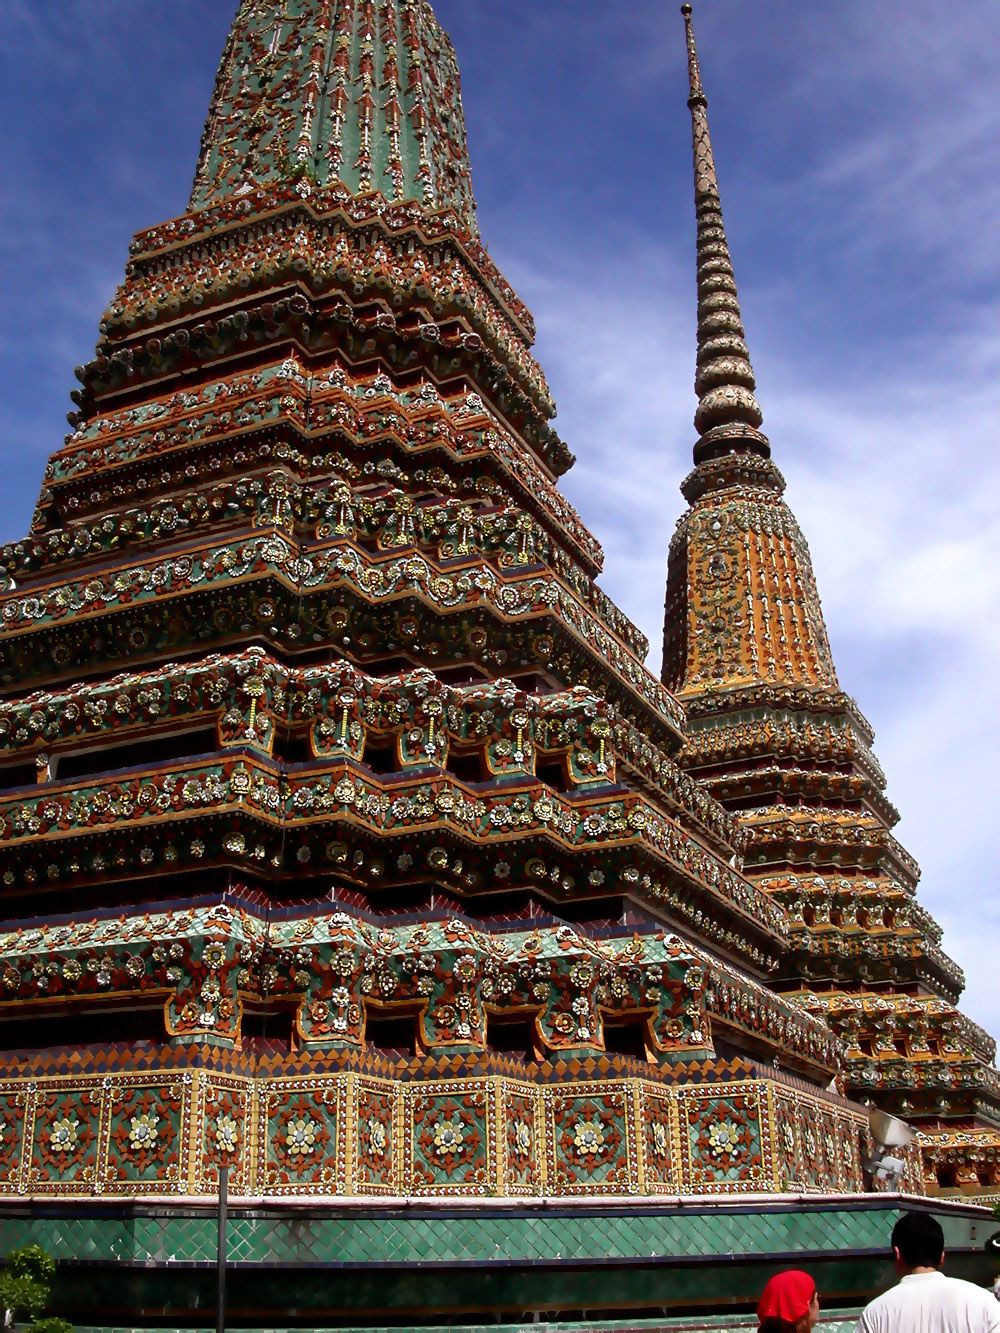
{"points": [[686, 11]]}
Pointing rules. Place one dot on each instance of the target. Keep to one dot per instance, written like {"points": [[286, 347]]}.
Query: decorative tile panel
{"points": [[659, 1139], [591, 1140], [66, 1140], [375, 1135], [724, 1146], [524, 1137], [224, 1118], [451, 1138], [147, 1136], [303, 1153], [16, 1114], [358, 1134]]}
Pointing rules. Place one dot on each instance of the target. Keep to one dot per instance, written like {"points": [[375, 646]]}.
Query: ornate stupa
{"points": [[346, 840], [773, 738]]}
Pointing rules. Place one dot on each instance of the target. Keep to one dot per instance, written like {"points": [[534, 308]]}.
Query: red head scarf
{"points": [[787, 1297]]}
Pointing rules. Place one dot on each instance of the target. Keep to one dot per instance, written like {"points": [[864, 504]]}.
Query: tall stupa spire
{"points": [[775, 740], [742, 607], [728, 418]]}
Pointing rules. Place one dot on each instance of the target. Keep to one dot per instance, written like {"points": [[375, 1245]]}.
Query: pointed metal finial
{"points": [[694, 69], [728, 416]]}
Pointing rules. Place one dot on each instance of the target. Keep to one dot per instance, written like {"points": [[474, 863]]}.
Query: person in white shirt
{"points": [[925, 1301]]}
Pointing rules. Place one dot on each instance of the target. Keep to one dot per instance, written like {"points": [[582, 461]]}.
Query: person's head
{"points": [[789, 1304], [917, 1242]]}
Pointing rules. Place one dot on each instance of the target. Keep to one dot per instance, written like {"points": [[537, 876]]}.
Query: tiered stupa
{"points": [[347, 840], [773, 738]]}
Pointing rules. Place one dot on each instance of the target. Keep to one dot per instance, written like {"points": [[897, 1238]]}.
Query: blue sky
{"points": [[859, 159]]}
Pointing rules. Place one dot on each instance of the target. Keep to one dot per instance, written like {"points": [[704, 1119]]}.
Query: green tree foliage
{"points": [[25, 1289]]}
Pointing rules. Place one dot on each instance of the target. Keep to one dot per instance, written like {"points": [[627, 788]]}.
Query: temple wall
{"points": [[166, 1132]]}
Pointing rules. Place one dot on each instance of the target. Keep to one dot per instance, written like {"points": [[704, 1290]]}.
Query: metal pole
{"points": [[220, 1308]]}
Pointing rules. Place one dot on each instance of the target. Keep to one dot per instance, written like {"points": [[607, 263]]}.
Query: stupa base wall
{"points": [[621, 1265], [583, 1133]]}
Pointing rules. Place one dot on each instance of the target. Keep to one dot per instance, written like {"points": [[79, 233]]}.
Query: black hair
{"points": [[919, 1239]]}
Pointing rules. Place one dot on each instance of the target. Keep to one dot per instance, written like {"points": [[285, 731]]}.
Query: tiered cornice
{"points": [[388, 294], [334, 970], [374, 756]]}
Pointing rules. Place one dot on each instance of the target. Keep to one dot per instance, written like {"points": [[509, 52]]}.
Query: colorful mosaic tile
{"points": [[16, 1116], [591, 1140], [66, 1130], [662, 1166], [375, 1130], [351, 1133], [224, 1114], [452, 1140], [301, 1153], [146, 1137], [523, 1139], [724, 1141]]}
